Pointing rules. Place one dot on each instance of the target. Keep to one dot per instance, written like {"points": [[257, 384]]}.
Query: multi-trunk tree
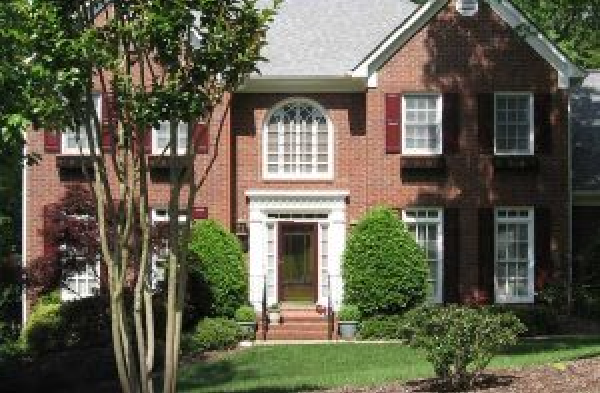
{"points": [[144, 63]]}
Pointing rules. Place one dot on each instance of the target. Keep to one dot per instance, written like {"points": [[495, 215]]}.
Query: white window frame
{"points": [[462, 6], [297, 176], [531, 150], [439, 220], [65, 149], [157, 274], [181, 150], [423, 151], [530, 221]]}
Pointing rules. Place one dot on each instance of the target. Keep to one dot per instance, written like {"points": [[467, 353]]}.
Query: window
{"points": [[514, 255], [82, 284], [162, 136], [514, 123], [70, 145], [467, 7], [160, 254], [298, 142], [422, 124], [427, 228]]}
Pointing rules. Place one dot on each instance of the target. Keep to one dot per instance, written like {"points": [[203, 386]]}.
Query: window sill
{"points": [[74, 161], [164, 162], [516, 163], [434, 163]]}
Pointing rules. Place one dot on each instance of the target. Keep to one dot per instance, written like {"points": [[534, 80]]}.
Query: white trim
{"points": [[531, 150], [299, 176], [439, 220], [424, 151], [530, 221], [181, 150], [462, 7], [65, 149], [566, 69]]}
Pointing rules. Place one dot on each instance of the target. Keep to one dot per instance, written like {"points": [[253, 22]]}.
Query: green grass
{"points": [[294, 368]]}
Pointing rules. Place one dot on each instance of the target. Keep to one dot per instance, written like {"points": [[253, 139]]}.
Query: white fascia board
{"points": [[369, 66], [303, 84], [565, 68], [297, 193]]}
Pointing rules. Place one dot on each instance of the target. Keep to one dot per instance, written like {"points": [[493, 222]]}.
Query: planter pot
{"points": [[248, 329], [274, 317], [347, 329]]}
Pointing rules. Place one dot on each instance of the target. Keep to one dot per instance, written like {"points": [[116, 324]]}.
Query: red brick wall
{"points": [[465, 55]]}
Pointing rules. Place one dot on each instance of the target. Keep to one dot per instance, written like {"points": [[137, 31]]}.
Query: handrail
{"points": [[265, 317], [330, 316]]}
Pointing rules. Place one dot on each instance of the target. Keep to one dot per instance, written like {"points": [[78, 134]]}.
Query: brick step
{"points": [[312, 327], [293, 335]]}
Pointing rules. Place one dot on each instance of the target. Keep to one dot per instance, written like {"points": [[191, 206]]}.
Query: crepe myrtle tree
{"points": [[152, 61]]}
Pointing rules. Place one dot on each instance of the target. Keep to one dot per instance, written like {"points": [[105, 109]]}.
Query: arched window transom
{"points": [[298, 142]]}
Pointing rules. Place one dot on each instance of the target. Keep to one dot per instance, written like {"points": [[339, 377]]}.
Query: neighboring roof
{"points": [[585, 104], [328, 37]]}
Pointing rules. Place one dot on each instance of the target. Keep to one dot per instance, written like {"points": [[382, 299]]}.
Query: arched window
{"points": [[298, 142]]}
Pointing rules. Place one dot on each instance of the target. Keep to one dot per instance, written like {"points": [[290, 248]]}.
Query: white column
{"points": [[256, 263], [337, 244]]}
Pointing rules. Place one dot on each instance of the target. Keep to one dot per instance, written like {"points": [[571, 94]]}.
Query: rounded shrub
{"points": [[384, 269], [349, 313], [218, 283], [245, 314], [212, 334], [384, 327]]}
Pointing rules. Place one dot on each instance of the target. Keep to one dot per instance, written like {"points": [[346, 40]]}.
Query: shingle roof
{"points": [[586, 134], [328, 37]]}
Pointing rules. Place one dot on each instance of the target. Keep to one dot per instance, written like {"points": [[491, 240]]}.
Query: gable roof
{"points": [[505, 9], [327, 38], [585, 104]]}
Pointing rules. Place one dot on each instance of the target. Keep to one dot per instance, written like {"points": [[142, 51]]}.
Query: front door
{"points": [[297, 262]]}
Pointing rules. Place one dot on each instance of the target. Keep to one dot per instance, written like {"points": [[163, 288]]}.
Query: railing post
{"points": [[265, 317], [330, 316]]}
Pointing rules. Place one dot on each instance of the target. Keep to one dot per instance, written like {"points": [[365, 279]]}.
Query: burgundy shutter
{"points": [[50, 246], [451, 114], [201, 138], [451, 255], [486, 252], [199, 213], [393, 126], [51, 142], [543, 107], [485, 117], [109, 121], [543, 247], [148, 140]]}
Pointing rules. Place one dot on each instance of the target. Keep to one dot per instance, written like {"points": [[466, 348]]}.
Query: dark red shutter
{"points": [[486, 252], [200, 136], [50, 246], [51, 142], [451, 115], [109, 121], [543, 107], [199, 213], [485, 117], [393, 123], [543, 247], [148, 140], [451, 255]]}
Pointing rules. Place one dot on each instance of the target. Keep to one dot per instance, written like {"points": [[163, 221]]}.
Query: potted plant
{"points": [[348, 317], [246, 319], [274, 314]]}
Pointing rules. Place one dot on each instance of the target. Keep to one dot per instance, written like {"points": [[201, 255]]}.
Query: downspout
{"points": [[570, 207], [24, 232]]}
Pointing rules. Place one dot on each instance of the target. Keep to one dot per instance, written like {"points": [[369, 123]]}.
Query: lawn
{"points": [[294, 368]]}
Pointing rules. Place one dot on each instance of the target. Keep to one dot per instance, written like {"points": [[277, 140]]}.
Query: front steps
{"points": [[298, 322]]}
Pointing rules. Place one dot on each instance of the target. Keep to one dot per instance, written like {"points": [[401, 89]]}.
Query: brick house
{"points": [[441, 111]]}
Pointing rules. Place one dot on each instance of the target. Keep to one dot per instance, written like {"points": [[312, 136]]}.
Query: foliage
{"points": [[218, 282], [573, 24], [212, 334], [538, 320], [460, 342], [245, 314], [384, 327], [54, 326], [10, 299], [587, 301], [384, 268], [349, 312]]}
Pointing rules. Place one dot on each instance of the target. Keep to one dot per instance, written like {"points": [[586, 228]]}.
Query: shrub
{"points": [[538, 320], [384, 327], [385, 271], [459, 341], [212, 334], [245, 314], [349, 313], [76, 324], [218, 282]]}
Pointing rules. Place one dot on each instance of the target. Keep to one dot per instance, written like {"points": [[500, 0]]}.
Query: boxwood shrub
{"points": [[212, 334], [384, 269], [384, 327], [218, 283]]}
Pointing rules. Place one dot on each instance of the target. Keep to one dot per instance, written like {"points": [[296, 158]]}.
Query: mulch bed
{"points": [[582, 376]]}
